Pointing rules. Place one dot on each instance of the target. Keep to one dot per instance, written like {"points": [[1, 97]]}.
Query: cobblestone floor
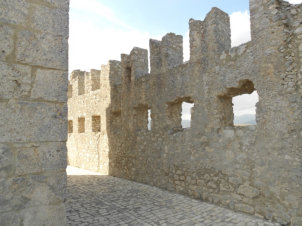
{"points": [[105, 200]]}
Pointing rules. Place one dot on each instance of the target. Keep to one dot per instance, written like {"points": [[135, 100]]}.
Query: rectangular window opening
{"points": [[70, 126], [179, 114], [141, 117], [96, 123], [244, 109], [81, 125], [186, 114]]}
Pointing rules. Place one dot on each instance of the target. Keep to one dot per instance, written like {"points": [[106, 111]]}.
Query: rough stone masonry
{"points": [[33, 111], [252, 169]]}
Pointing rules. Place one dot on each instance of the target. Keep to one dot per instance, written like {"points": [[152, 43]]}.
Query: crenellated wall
{"points": [[252, 169]]}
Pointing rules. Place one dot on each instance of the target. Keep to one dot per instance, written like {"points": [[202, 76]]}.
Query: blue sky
{"points": [[100, 30], [160, 16], [103, 29]]}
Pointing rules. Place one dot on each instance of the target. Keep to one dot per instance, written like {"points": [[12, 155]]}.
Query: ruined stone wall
{"points": [[252, 169], [33, 111]]}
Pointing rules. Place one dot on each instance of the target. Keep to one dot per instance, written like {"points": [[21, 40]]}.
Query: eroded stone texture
{"points": [[15, 80], [42, 49], [47, 121], [14, 11], [6, 41], [50, 85], [253, 169], [33, 111], [56, 20]]}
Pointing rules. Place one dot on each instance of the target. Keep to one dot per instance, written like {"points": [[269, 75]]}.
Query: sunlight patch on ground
{"points": [[71, 170]]}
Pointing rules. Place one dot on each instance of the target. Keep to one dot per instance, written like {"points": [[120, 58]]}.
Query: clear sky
{"points": [[100, 30]]}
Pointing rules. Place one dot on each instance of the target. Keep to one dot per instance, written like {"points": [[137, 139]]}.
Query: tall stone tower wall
{"points": [[253, 169], [33, 111]]}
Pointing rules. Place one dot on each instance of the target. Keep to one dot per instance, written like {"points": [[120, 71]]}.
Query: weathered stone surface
{"points": [[248, 191], [25, 192], [56, 20], [53, 156], [44, 215], [42, 49], [6, 41], [6, 160], [41, 215], [50, 85], [33, 122], [34, 158], [15, 80], [29, 122], [27, 161], [244, 208], [14, 11]]}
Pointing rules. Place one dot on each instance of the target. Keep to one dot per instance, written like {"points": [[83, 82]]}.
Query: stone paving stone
{"points": [[106, 200]]}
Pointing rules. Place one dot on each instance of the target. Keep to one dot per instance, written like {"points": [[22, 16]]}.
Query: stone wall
{"points": [[33, 111], [252, 169], [89, 97]]}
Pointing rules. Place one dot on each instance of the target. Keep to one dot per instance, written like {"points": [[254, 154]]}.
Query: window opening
{"points": [[96, 123], [244, 109], [141, 116], [81, 125], [186, 114], [149, 120], [179, 113]]}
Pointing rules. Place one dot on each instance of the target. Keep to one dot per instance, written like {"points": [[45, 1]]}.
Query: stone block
{"points": [[6, 160], [23, 121], [53, 156], [14, 11], [50, 85], [54, 21], [244, 208], [26, 192], [6, 41], [56, 184], [44, 215], [10, 218], [15, 80], [42, 49], [248, 191], [27, 161], [39, 215]]}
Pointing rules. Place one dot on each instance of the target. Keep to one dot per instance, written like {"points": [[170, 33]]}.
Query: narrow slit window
{"points": [[149, 120], [96, 123], [81, 125], [186, 113], [141, 117], [244, 109]]}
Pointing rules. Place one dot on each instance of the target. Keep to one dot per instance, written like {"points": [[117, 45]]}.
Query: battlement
{"points": [[82, 82], [166, 53]]}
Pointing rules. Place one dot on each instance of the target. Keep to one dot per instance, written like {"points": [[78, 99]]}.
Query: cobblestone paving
{"points": [[105, 200]]}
